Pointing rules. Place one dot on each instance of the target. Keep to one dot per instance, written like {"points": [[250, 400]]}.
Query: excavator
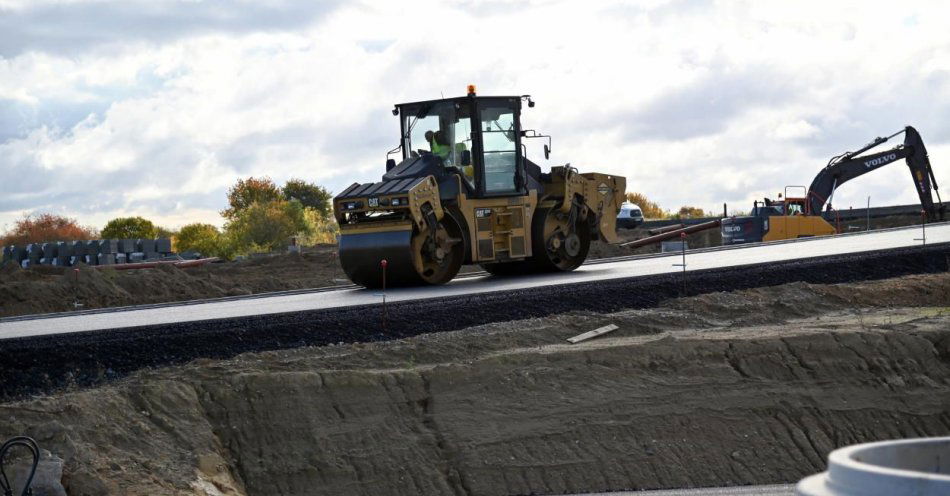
{"points": [[800, 216], [465, 192]]}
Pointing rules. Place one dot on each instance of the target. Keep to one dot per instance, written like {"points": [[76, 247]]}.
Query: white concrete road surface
{"points": [[640, 266], [771, 490]]}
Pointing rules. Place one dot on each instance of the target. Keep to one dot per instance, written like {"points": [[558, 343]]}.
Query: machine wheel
{"points": [[555, 247], [437, 258]]}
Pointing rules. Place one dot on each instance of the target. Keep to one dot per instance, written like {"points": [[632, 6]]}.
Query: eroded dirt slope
{"points": [[731, 388]]}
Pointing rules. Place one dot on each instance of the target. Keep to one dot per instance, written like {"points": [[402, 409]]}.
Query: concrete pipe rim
{"points": [[850, 474]]}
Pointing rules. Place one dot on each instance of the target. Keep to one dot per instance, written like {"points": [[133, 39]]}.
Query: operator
{"points": [[440, 149]]}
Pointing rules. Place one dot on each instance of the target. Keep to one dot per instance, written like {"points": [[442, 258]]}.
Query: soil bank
{"points": [[748, 387]]}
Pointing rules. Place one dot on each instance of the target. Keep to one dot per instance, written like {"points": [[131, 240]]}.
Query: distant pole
{"points": [[383, 263], [76, 289], [868, 212], [683, 265]]}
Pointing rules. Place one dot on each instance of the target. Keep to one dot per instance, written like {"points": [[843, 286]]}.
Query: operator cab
{"points": [[476, 138]]}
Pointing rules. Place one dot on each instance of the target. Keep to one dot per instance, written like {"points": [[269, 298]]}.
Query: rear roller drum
{"points": [[558, 247]]}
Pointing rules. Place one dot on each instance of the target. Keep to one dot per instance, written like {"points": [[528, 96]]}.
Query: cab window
{"points": [[499, 147]]}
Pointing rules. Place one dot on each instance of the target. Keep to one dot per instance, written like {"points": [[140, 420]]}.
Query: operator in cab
{"points": [[437, 144]]}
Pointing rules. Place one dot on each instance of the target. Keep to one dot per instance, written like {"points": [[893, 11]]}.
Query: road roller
{"points": [[465, 192]]}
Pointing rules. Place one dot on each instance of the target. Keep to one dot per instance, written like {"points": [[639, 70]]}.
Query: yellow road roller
{"points": [[464, 192]]}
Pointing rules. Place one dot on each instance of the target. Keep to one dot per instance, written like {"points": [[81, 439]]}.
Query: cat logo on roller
{"points": [[465, 192], [801, 216]]}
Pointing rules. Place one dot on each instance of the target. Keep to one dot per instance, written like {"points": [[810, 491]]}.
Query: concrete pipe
{"points": [[907, 467]]}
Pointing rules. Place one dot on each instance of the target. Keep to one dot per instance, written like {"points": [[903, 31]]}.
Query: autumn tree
{"points": [[687, 212], [44, 228], [247, 192], [308, 194], [129, 228], [650, 209], [263, 217]]}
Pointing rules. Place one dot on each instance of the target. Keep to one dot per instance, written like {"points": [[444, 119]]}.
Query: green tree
{"points": [[308, 194], [267, 225], [129, 228], [202, 238], [247, 192]]}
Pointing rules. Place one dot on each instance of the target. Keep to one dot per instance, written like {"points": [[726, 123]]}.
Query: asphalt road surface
{"points": [[771, 490], [615, 269]]}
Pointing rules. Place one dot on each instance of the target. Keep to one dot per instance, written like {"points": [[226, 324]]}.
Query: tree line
{"points": [[261, 217]]}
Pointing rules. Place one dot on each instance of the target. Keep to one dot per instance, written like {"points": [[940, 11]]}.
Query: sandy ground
{"points": [[750, 387], [53, 289]]}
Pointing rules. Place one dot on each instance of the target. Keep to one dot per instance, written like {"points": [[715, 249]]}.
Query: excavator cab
{"points": [[465, 192]]}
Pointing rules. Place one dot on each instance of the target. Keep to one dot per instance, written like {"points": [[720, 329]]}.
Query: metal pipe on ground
{"points": [[661, 230], [181, 264], [672, 234]]}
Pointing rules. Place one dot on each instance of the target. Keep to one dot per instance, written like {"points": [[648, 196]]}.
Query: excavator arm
{"points": [[850, 165]]}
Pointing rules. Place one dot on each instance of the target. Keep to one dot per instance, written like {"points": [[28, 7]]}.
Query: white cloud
{"points": [[696, 103]]}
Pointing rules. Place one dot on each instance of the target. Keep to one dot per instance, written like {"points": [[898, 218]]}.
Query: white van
{"points": [[630, 216]]}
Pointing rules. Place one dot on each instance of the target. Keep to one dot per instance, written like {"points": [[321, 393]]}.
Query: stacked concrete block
{"points": [[78, 250], [34, 252], [49, 253], [13, 254], [64, 254], [125, 246], [92, 252], [107, 251], [145, 245], [108, 246], [163, 246]]}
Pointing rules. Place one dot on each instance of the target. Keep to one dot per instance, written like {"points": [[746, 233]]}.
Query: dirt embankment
{"points": [[56, 289], [730, 388]]}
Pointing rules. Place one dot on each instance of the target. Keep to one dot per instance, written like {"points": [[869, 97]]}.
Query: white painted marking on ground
{"points": [[593, 334]]}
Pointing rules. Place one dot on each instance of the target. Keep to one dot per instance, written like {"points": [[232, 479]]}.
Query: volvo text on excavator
{"points": [[465, 192], [801, 216]]}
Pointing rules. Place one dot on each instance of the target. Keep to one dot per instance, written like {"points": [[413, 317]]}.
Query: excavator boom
{"points": [[850, 165]]}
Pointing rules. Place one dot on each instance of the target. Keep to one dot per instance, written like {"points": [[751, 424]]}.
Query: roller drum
{"points": [[361, 256]]}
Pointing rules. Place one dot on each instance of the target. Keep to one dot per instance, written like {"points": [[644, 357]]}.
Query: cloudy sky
{"points": [[153, 108]]}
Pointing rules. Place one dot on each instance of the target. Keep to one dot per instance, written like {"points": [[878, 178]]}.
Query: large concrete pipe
{"points": [[907, 467]]}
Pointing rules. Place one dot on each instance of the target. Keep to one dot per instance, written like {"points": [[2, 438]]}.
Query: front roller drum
{"points": [[413, 257], [361, 256]]}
